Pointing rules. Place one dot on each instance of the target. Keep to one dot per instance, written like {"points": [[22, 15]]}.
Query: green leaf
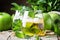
{"points": [[35, 7], [37, 38], [46, 5], [31, 14], [16, 28], [16, 7], [17, 25], [41, 1], [19, 34]]}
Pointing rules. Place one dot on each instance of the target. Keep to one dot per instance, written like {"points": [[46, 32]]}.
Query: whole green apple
{"points": [[47, 21], [5, 21]]}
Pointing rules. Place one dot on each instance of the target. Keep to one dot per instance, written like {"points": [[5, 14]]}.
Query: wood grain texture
{"points": [[10, 35]]}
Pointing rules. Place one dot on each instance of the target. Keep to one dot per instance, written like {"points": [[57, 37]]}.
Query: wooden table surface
{"points": [[10, 35]]}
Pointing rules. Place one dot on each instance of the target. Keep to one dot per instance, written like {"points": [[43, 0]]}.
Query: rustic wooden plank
{"points": [[4, 35], [53, 37], [10, 35]]}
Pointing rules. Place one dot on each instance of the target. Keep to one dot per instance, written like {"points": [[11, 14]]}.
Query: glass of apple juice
{"points": [[34, 26]]}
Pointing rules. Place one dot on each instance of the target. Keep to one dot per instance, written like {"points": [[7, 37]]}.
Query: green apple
{"points": [[54, 16], [47, 21], [5, 21]]}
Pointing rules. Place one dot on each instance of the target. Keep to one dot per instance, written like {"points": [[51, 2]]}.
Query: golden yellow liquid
{"points": [[41, 31], [35, 28], [26, 30]]}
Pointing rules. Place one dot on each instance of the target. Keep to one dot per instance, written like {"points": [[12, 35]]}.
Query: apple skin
{"points": [[5, 21], [47, 21]]}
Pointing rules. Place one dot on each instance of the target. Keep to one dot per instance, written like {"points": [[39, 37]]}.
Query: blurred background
{"points": [[5, 5]]}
